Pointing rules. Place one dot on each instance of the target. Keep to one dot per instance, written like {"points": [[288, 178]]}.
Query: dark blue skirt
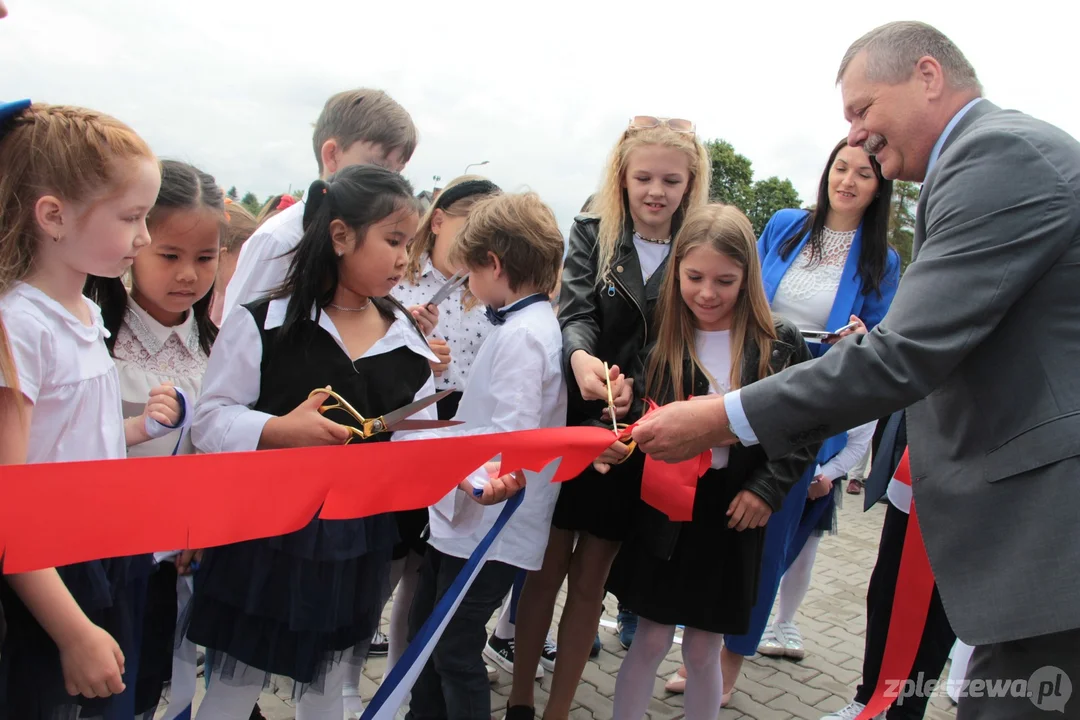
{"points": [[293, 605], [112, 593]]}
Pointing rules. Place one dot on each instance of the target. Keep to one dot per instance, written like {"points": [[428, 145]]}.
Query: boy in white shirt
{"points": [[356, 127], [512, 247]]}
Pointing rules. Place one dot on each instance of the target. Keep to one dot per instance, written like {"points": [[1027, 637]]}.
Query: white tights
{"points": [[233, 699], [701, 655], [796, 581]]}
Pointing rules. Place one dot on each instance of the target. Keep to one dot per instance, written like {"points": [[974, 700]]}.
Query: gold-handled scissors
{"points": [[617, 426], [448, 288], [390, 422]]}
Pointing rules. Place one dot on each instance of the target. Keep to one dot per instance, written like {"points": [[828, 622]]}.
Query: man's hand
{"points": [[682, 430]]}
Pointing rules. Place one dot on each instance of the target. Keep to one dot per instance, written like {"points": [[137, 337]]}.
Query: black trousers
{"points": [[937, 638], [454, 684]]}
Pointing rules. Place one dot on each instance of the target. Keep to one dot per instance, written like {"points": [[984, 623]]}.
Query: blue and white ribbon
{"points": [[397, 685]]}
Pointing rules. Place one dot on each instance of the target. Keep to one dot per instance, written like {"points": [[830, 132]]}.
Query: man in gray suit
{"points": [[982, 342]]}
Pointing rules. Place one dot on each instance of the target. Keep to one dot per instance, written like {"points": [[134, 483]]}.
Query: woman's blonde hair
{"points": [[70, 152], [423, 243], [727, 231], [610, 202]]}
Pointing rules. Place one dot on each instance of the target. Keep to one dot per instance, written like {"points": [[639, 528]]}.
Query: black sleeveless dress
{"points": [[294, 604]]}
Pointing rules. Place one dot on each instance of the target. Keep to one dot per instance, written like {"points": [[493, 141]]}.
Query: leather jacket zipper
{"points": [[615, 281]]}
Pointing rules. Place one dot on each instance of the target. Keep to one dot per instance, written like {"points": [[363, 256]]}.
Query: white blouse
{"points": [[224, 418], [148, 354], [65, 371], [808, 289], [463, 330], [714, 351]]}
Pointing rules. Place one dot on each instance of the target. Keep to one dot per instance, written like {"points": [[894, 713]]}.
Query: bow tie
{"points": [[498, 317]]}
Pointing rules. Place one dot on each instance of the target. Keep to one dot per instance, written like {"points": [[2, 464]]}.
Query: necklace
{"points": [[657, 241], [342, 308]]}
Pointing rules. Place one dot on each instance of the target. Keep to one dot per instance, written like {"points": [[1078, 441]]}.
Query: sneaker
{"points": [[547, 655], [380, 645], [626, 624], [501, 652], [597, 646], [782, 640], [850, 712], [493, 673]]}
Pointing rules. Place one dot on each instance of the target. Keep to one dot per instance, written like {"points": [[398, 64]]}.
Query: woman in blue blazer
{"points": [[822, 269]]}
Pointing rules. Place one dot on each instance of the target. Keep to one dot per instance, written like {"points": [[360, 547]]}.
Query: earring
{"points": [[341, 253], [56, 239]]}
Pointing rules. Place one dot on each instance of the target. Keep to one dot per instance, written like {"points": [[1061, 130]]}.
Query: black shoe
{"points": [[597, 646], [380, 646], [520, 712]]}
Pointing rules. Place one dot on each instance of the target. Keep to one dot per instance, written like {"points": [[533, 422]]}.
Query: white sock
{"points": [[504, 629], [634, 685], [704, 677], [796, 581]]}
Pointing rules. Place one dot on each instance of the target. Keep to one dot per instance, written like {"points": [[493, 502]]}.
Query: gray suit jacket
{"points": [[983, 343]]}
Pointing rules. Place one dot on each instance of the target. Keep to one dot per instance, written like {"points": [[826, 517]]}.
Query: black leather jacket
{"points": [[612, 322], [771, 480]]}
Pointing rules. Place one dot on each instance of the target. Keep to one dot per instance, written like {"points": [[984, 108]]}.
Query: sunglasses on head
{"points": [[645, 122]]}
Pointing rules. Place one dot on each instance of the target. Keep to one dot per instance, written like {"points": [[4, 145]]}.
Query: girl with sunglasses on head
{"points": [[612, 276]]}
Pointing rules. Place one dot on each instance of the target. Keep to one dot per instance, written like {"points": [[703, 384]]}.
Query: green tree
{"points": [[733, 184], [233, 194], [767, 197], [251, 202], [902, 219], [732, 175]]}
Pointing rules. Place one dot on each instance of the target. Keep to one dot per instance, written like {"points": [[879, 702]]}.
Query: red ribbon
{"points": [[55, 514], [911, 604], [670, 487]]}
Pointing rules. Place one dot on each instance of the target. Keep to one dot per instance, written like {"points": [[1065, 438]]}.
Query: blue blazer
{"points": [[850, 300]]}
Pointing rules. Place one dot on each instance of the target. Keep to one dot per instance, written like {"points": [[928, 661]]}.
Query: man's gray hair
{"points": [[892, 51]]}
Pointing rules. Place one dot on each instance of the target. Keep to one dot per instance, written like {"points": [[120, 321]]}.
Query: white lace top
{"points": [[807, 290], [147, 354]]}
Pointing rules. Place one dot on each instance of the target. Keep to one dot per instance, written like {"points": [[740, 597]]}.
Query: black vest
{"points": [[374, 385]]}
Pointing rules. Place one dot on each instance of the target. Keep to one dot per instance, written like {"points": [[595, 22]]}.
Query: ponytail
{"points": [[359, 196]]}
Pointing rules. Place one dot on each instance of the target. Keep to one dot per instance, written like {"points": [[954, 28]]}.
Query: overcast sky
{"points": [[541, 89]]}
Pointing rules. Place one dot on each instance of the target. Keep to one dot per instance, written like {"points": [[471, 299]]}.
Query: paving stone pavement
{"points": [[832, 620]]}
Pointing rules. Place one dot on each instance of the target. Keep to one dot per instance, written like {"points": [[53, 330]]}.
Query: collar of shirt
{"points": [[87, 333], [401, 332], [430, 269], [163, 332], [936, 151]]}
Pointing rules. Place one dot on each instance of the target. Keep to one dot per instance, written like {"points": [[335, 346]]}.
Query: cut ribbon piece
{"points": [[671, 487], [911, 604]]}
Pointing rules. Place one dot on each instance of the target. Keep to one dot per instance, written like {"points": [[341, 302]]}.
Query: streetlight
{"points": [[474, 165]]}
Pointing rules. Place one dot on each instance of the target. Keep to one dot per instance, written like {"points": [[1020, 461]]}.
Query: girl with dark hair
{"points": [[824, 269], [160, 336], [305, 605]]}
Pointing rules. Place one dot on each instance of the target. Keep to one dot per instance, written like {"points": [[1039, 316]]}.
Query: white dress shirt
{"points": [[523, 389], [66, 372], [224, 420], [714, 351], [264, 259], [463, 330]]}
